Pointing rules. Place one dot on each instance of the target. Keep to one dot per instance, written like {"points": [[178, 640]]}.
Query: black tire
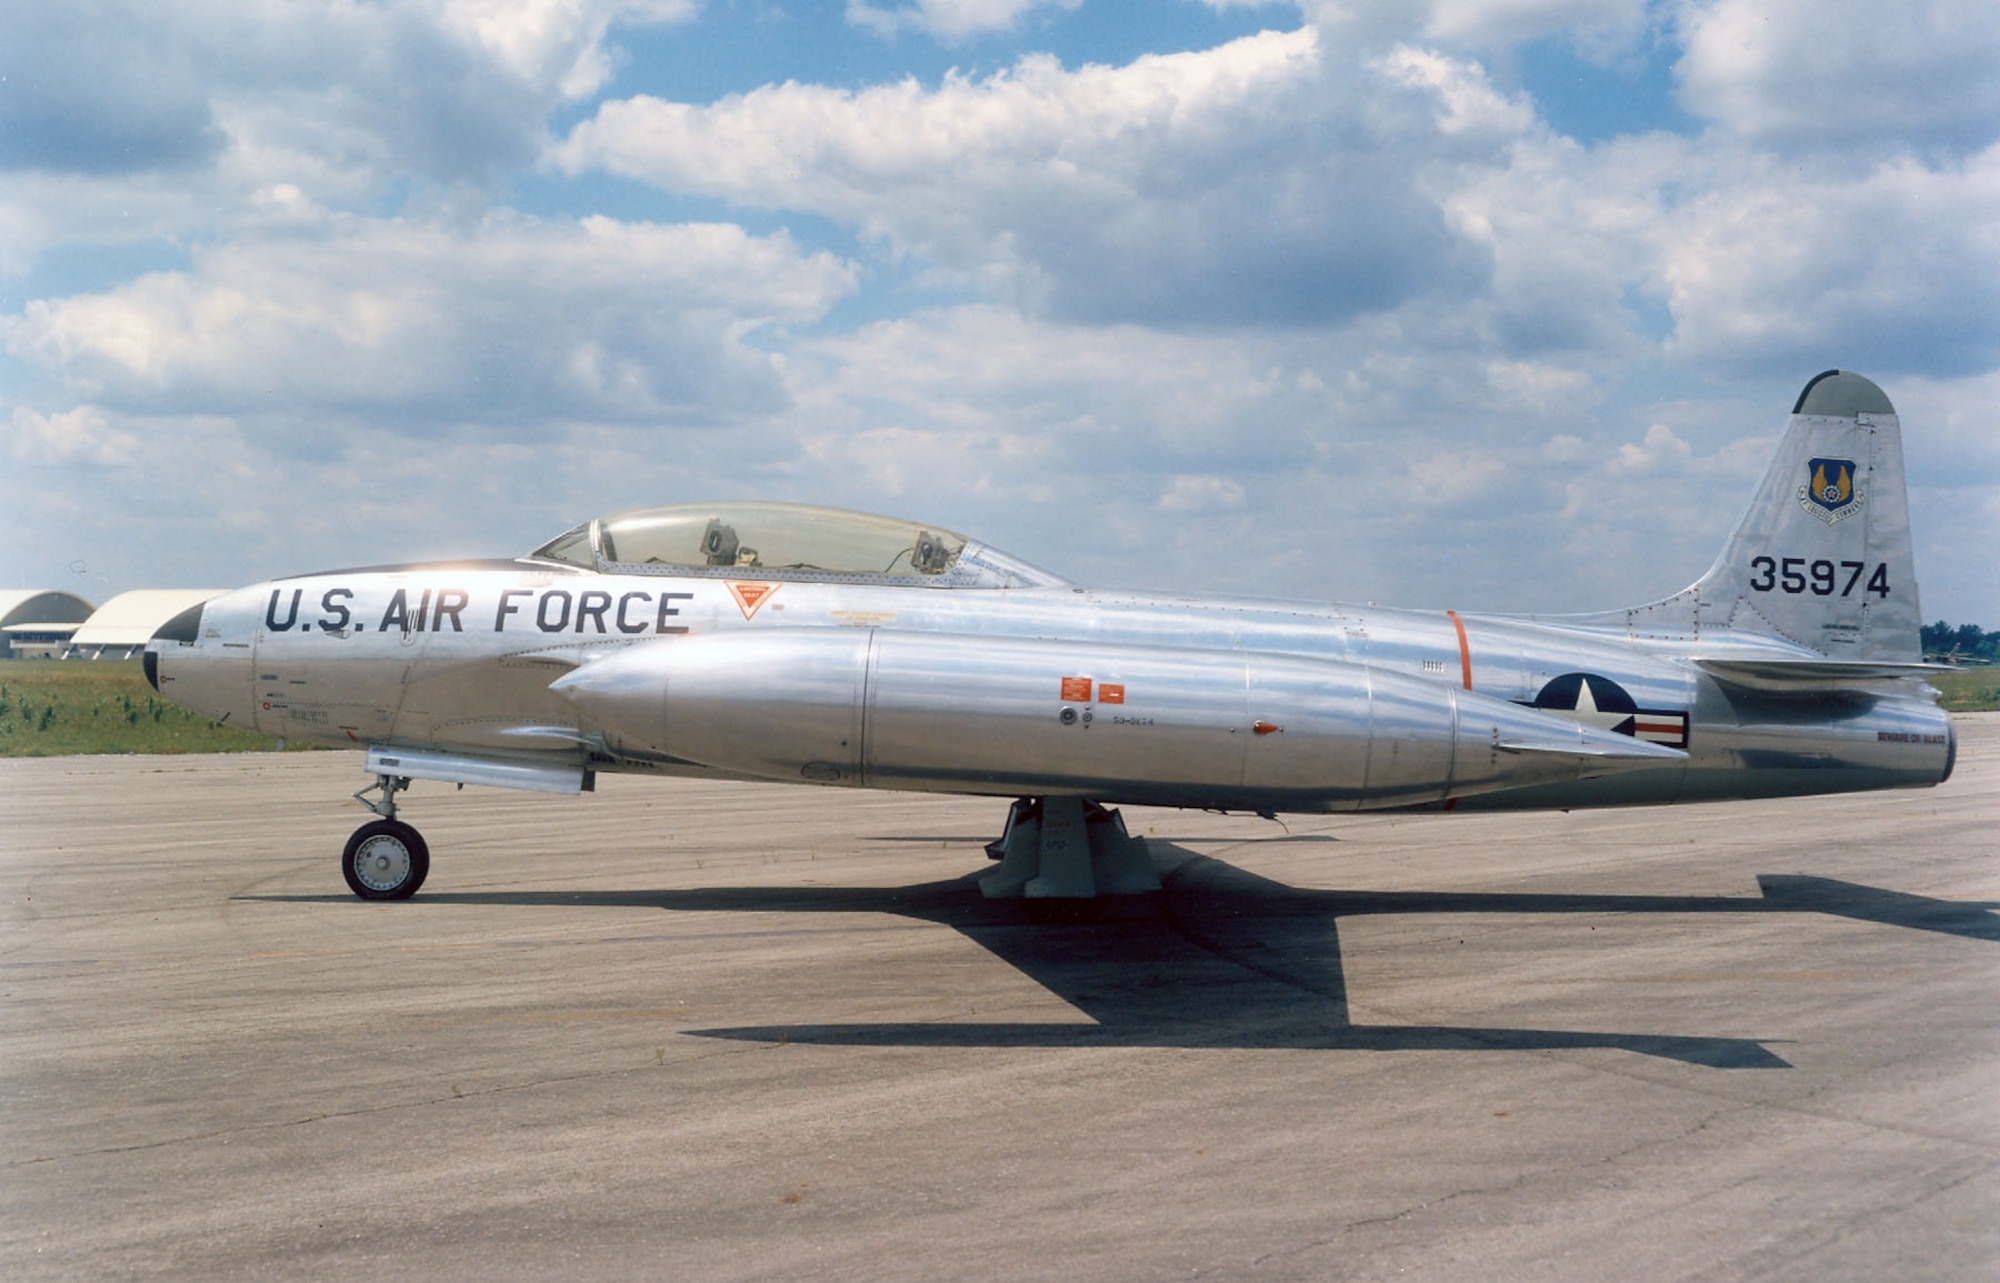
{"points": [[385, 860]]}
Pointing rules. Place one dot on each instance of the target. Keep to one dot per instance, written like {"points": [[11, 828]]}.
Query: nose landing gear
{"points": [[386, 859]]}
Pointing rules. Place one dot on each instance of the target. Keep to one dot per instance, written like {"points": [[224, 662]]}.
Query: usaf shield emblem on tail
{"points": [[1829, 492]]}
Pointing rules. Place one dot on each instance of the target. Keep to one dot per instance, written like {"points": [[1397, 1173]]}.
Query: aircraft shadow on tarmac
{"points": [[1234, 960]]}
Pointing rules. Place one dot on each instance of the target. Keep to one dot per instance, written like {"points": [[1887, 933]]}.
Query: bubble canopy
{"points": [[787, 541]]}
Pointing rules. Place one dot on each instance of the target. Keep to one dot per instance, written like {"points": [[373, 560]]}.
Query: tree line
{"points": [[1960, 642]]}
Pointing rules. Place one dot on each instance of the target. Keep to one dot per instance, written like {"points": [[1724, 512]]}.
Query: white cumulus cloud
{"points": [[1325, 312], [81, 435], [1506, 22], [1102, 193], [948, 19], [1662, 453], [1889, 268], [1202, 494], [1842, 73], [514, 321]]}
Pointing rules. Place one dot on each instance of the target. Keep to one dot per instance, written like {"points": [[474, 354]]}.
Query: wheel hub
{"points": [[382, 863]]}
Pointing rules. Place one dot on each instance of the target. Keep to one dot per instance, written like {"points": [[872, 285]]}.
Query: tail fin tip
{"points": [[1841, 394]]}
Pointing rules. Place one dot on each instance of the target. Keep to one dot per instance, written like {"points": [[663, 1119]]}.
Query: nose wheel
{"points": [[385, 860]]}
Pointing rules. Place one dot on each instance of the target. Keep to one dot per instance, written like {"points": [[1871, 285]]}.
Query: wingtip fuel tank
{"points": [[1140, 724]]}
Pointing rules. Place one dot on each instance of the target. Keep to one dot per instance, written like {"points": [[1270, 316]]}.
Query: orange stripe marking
{"points": [[1464, 673], [1464, 650]]}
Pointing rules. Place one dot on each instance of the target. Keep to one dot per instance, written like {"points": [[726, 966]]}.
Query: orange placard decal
{"points": [[1077, 689], [750, 596], [1110, 694]]}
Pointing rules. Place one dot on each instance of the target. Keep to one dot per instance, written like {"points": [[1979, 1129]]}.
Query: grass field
{"points": [[50, 709], [1969, 690]]}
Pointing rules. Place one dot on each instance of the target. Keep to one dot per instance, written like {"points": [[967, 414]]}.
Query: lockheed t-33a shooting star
{"points": [[775, 642]]}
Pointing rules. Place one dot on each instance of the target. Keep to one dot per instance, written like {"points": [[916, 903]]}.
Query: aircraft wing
{"points": [[538, 774]]}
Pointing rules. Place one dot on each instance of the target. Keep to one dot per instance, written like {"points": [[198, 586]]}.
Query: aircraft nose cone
{"points": [[200, 659], [184, 627]]}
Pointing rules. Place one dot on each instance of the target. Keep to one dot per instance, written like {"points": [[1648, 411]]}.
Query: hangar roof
{"points": [[131, 618], [41, 606]]}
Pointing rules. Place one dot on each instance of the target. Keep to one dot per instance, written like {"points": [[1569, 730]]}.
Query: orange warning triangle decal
{"points": [[750, 596]]}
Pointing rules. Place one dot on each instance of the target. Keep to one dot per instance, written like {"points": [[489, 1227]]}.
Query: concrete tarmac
{"points": [[697, 1031]]}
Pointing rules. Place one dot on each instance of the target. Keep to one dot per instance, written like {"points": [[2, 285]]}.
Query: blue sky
{"points": [[1487, 305]]}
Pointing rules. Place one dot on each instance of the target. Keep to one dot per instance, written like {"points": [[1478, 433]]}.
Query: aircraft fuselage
{"points": [[1121, 697]]}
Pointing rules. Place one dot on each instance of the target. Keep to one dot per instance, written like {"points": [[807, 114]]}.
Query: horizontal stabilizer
{"points": [[1551, 738], [1807, 676], [1628, 749]]}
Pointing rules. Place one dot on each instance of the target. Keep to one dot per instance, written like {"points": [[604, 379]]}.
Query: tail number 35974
{"points": [[1820, 577]]}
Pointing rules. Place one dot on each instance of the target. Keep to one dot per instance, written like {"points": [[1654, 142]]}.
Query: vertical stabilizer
{"points": [[1822, 555]]}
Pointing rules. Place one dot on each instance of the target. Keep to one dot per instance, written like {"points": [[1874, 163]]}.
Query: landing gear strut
{"points": [[1063, 856], [386, 859]]}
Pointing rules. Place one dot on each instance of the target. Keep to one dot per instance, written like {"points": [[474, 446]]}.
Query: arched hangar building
{"points": [[121, 627], [37, 623], [44, 623]]}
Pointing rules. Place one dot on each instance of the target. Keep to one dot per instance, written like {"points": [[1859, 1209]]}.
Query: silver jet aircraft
{"points": [[776, 642]]}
